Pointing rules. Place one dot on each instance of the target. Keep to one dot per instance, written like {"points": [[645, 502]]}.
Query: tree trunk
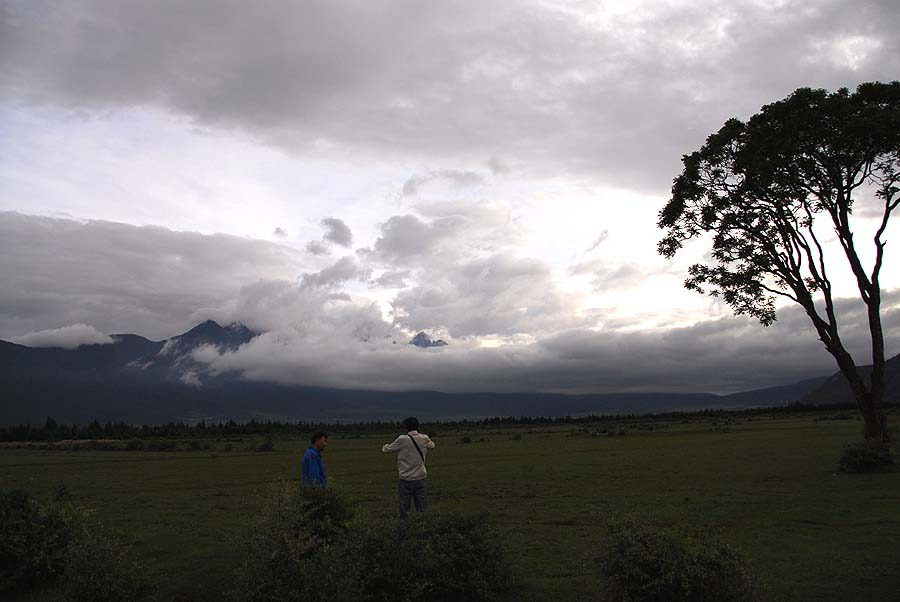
{"points": [[870, 406]]}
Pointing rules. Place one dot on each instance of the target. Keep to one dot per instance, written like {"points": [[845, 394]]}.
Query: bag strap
{"points": [[421, 455]]}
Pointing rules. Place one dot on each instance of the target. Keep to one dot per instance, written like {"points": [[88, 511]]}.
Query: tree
{"points": [[767, 191]]}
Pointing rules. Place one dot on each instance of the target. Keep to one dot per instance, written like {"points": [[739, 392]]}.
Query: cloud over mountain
{"points": [[66, 337]]}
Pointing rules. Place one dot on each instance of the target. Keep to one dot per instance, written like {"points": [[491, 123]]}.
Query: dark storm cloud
{"points": [[280, 233], [122, 278], [549, 87], [337, 232]]}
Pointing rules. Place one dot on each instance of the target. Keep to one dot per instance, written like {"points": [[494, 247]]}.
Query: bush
{"points": [[865, 457], [99, 568], [267, 445], [306, 548], [53, 546], [33, 542], [161, 445], [465, 439], [295, 552], [135, 445], [443, 558], [641, 563]]}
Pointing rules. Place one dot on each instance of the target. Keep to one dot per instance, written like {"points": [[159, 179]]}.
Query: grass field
{"points": [[769, 486]]}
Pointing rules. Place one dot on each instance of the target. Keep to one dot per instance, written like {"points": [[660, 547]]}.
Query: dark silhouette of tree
{"points": [[767, 191]]}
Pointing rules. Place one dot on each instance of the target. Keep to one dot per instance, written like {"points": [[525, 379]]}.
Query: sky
{"points": [[341, 175]]}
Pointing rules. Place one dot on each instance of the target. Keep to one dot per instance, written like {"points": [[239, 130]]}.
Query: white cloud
{"points": [[67, 337]]}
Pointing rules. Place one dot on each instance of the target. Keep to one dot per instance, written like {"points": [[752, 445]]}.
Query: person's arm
{"points": [[393, 447], [306, 472], [429, 444]]}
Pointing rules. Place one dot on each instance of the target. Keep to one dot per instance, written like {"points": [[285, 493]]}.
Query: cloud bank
{"points": [[67, 337], [557, 87]]}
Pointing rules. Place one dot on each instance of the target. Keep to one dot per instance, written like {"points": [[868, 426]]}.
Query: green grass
{"points": [[769, 487]]}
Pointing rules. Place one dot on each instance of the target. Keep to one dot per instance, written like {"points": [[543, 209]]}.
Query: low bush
{"points": [[642, 563], [865, 457], [135, 445], [161, 445], [306, 547], [442, 558], [295, 551], [100, 568], [53, 547], [267, 445], [33, 542], [465, 439]]}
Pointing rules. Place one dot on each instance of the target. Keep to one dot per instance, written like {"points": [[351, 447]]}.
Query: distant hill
{"points": [[138, 380], [835, 389]]}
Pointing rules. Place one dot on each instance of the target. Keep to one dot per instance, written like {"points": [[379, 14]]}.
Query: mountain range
{"points": [[138, 380]]}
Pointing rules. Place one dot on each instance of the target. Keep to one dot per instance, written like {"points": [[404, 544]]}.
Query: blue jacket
{"points": [[313, 468]]}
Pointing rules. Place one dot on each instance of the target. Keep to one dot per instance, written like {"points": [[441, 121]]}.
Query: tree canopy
{"points": [[764, 189]]}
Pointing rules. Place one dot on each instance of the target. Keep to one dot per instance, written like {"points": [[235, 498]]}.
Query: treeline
{"points": [[53, 431]]}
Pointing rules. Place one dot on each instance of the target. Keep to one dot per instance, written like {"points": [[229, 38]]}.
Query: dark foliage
{"points": [[441, 558], [307, 548], [867, 456], [642, 563], [33, 541], [100, 568], [53, 546]]}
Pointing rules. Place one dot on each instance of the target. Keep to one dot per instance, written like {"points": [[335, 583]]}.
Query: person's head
{"points": [[411, 423], [319, 441]]}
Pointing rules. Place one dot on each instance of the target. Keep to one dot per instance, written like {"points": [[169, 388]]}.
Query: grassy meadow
{"points": [[768, 485]]}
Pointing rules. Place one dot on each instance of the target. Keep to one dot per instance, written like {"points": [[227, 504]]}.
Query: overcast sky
{"points": [[341, 175]]}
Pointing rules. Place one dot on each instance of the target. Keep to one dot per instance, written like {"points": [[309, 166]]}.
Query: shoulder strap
{"points": [[413, 439]]}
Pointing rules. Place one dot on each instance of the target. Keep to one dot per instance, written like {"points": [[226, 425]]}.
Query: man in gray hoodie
{"points": [[411, 449]]}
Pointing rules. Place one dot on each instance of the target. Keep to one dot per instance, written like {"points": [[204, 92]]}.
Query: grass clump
{"points": [[642, 563]]}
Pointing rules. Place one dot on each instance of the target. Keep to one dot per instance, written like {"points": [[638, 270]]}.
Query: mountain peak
{"points": [[423, 340]]}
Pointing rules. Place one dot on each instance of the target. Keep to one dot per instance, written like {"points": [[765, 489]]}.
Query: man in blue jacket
{"points": [[313, 467]]}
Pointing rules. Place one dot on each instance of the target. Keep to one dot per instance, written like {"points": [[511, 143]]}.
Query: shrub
{"points": [[99, 568], [53, 545], [465, 439], [443, 558], [306, 548], [267, 445], [296, 550], [135, 445], [641, 563], [517, 437], [161, 445], [228, 447], [865, 457], [33, 541]]}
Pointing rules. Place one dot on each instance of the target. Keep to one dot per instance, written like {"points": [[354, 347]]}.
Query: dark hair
{"points": [[318, 436], [411, 423]]}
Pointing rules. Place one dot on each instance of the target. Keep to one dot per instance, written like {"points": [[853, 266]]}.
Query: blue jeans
{"points": [[412, 491]]}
